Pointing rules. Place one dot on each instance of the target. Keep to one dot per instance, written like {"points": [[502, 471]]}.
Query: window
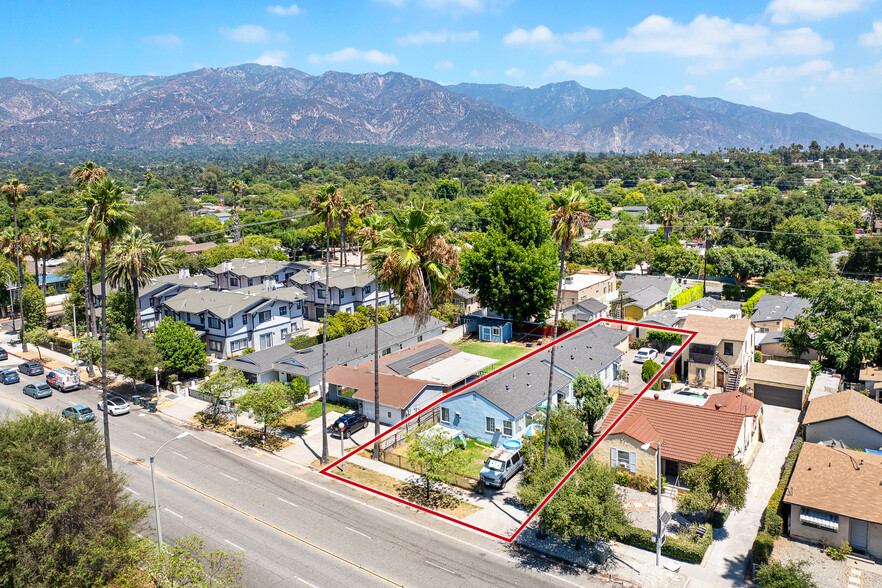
{"points": [[728, 348], [230, 323], [764, 329], [494, 331], [353, 291], [234, 282], [245, 320], [506, 428], [239, 344], [320, 294], [367, 289], [818, 518], [445, 414], [215, 345], [213, 323], [266, 340], [283, 311], [623, 459], [284, 333], [264, 316], [298, 306], [387, 351], [700, 373], [490, 424], [202, 319], [188, 317], [420, 339], [388, 415]]}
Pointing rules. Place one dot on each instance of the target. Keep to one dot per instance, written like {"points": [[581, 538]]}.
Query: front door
{"points": [[721, 379], [858, 535]]}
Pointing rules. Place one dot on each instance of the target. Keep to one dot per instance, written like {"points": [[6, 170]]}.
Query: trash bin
{"points": [[151, 406], [666, 384], [136, 399]]}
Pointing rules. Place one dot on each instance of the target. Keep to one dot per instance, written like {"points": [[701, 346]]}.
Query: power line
{"points": [[224, 231]]}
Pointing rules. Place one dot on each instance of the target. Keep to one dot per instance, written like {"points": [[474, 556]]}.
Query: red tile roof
{"points": [[686, 431], [735, 402]]}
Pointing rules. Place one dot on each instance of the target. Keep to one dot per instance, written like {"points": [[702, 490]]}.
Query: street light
{"points": [[658, 491], [156, 375], [153, 481]]}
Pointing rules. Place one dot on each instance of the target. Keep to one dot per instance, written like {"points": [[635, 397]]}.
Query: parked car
{"points": [[671, 352], [9, 376], [348, 424], [3, 354], [63, 379], [31, 368], [78, 412], [38, 390], [501, 467], [645, 354], [116, 405]]}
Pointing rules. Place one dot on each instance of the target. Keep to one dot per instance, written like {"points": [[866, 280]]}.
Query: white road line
{"points": [[561, 579], [180, 455], [234, 545], [299, 579], [358, 532], [229, 476], [132, 491], [138, 435], [171, 512], [141, 414], [434, 565], [287, 502], [69, 402]]}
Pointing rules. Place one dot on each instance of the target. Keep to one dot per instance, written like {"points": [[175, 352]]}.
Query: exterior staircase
{"points": [[733, 375]]}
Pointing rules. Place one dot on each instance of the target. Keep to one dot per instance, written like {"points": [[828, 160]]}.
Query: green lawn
{"points": [[478, 454], [499, 351], [303, 414]]}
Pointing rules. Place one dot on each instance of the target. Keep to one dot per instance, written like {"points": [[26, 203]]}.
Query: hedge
{"points": [[732, 292], [762, 548], [665, 338], [747, 307], [673, 547], [686, 296]]}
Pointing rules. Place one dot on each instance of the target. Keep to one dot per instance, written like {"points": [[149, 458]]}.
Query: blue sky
{"points": [[818, 56]]}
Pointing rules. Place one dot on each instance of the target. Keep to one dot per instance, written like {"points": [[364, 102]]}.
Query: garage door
{"points": [[778, 396]]}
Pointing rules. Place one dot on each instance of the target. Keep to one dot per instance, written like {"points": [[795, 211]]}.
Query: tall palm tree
{"points": [[364, 209], [344, 215], [237, 187], [48, 233], [569, 218], [106, 217], [83, 175], [130, 266], [326, 205], [14, 193], [30, 246], [370, 233]]}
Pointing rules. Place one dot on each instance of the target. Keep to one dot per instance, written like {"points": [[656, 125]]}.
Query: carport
{"points": [[779, 384]]}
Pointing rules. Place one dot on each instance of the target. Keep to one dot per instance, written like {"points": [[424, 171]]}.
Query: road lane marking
{"points": [[434, 565], [234, 545], [561, 579], [171, 512], [358, 532], [138, 435], [287, 502], [180, 454], [299, 579], [69, 402], [132, 491], [229, 476]]}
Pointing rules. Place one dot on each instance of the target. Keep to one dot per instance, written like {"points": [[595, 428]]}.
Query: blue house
{"points": [[503, 406], [489, 326]]}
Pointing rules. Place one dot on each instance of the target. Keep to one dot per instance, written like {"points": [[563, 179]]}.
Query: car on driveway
{"points": [[9, 376], [116, 405], [501, 466], [348, 424], [63, 379], [78, 412], [645, 354], [38, 390], [3, 354], [31, 368]]}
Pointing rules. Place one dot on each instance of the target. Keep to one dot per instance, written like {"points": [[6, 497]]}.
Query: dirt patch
{"points": [[243, 433]]}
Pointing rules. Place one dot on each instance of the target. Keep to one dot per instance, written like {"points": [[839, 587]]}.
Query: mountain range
{"points": [[255, 104]]}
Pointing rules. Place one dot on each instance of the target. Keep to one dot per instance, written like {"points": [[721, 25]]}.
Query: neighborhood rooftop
{"points": [[847, 403], [713, 329], [338, 277], [250, 268], [775, 308]]}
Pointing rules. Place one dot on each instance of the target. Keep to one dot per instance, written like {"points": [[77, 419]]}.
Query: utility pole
{"points": [[704, 269]]}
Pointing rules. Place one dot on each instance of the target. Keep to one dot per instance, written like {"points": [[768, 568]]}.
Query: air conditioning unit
{"points": [[457, 415]]}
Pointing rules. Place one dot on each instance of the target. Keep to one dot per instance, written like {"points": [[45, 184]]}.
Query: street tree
{"points": [[592, 399], [675, 260], [185, 563], [131, 266], [183, 352], [133, 357], [433, 452], [37, 336], [222, 386], [714, 482], [33, 307], [268, 402]]}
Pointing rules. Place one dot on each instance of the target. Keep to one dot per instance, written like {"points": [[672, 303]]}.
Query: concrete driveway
{"points": [[501, 511], [634, 369], [730, 551]]}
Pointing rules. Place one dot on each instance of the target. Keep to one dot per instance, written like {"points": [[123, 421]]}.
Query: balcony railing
{"points": [[697, 357]]}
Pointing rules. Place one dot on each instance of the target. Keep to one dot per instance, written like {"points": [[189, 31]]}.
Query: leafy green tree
{"points": [[183, 352], [608, 257], [75, 302], [161, 216], [222, 386], [864, 258], [806, 242], [185, 563], [758, 210], [649, 369], [627, 228], [666, 208], [744, 263], [133, 357], [446, 189], [434, 454], [34, 307], [67, 520], [790, 575], [842, 323], [269, 402], [675, 260], [120, 312], [14, 193], [37, 336], [592, 398], [714, 482]]}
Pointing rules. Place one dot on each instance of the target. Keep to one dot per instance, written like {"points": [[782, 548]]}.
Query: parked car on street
{"points": [[645, 354], [78, 412], [31, 368], [501, 467], [9, 376], [63, 379], [116, 405], [3, 354], [37, 391], [348, 424]]}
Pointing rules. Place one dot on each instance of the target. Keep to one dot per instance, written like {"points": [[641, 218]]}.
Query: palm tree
{"points": [[130, 266], [569, 218], [326, 204], [83, 175], [14, 193], [30, 245], [48, 234], [147, 177], [237, 187], [161, 263], [344, 215], [370, 233], [365, 208], [106, 217]]}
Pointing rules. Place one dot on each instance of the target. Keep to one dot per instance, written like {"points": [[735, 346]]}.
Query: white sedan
{"points": [[645, 354], [116, 405]]}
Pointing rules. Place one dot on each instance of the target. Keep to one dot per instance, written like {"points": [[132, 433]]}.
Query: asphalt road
{"points": [[294, 526]]}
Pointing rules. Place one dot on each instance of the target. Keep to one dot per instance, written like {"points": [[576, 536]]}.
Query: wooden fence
{"points": [[400, 435], [454, 479]]}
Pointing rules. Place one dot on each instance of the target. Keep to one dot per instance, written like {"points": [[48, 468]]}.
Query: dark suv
{"points": [[31, 368], [348, 424]]}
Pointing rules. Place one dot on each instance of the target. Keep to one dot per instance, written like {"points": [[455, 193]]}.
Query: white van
{"points": [[501, 466], [671, 352], [63, 379]]}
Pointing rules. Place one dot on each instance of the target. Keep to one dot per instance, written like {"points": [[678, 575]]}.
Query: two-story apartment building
{"points": [[231, 322], [776, 313], [244, 272], [719, 355], [157, 290], [582, 285], [348, 288]]}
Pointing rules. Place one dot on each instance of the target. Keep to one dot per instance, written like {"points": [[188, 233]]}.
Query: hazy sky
{"points": [[818, 56]]}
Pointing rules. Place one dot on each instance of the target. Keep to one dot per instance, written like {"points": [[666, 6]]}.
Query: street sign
{"points": [[664, 537]]}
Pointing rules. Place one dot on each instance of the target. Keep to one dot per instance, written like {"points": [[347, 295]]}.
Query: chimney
{"points": [[183, 272], [311, 275], [718, 406], [226, 266]]}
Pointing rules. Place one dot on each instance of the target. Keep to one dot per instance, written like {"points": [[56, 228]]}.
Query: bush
{"points": [[777, 575], [674, 547], [686, 296], [774, 524], [758, 356], [303, 341], [747, 307], [622, 478], [762, 548], [718, 518], [664, 339], [731, 292], [839, 554], [650, 368]]}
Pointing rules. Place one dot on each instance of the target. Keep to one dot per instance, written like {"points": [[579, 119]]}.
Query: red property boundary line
{"points": [[326, 470]]}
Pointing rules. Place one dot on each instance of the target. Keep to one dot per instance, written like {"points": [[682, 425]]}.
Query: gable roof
{"points": [[708, 303], [735, 402], [779, 374], [666, 318], [847, 403], [394, 390], [464, 292], [338, 277], [589, 306], [646, 297], [686, 431], [634, 282], [286, 294], [252, 268], [774, 308], [838, 481], [714, 329], [222, 304]]}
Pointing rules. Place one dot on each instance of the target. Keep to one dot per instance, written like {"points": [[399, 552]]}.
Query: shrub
{"points": [[762, 548], [718, 518], [686, 296], [791, 575], [839, 554], [664, 339], [622, 478], [750, 304], [674, 547], [731, 292], [650, 368], [758, 356], [303, 341], [774, 524]]}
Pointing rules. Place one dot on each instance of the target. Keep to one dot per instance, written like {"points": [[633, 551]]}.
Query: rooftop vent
{"points": [[656, 396]]}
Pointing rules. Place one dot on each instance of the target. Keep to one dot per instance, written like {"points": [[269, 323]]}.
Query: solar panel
{"points": [[402, 367]]}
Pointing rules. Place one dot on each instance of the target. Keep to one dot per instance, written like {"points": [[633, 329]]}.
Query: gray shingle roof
{"points": [[589, 306], [221, 304], [774, 308], [708, 303], [195, 281], [287, 294], [667, 318], [345, 277], [633, 282], [646, 297], [252, 268]]}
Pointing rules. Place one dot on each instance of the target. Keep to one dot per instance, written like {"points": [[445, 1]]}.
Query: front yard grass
{"points": [[303, 414], [505, 354], [476, 451]]}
